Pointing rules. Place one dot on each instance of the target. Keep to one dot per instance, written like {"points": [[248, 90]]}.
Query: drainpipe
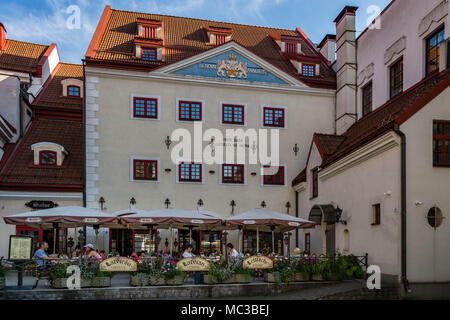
{"points": [[296, 214], [403, 204], [84, 148]]}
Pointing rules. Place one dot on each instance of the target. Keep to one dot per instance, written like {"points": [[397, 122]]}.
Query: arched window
{"points": [[47, 158], [73, 91]]}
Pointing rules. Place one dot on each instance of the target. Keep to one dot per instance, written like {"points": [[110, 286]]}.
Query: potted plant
{"points": [[333, 269], [282, 271], [101, 279], [172, 275], [87, 270], [302, 270], [351, 268], [219, 272], [58, 276], [4, 268], [242, 275], [140, 277], [317, 270]]}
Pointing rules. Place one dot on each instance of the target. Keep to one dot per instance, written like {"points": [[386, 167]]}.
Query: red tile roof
{"points": [[300, 178], [18, 172], [21, 56], [394, 112], [51, 96], [113, 42]]}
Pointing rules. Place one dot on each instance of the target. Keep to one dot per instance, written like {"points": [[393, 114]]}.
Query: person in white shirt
{"points": [[188, 252], [232, 252]]}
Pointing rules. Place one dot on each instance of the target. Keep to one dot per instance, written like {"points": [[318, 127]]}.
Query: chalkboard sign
{"points": [[20, 248]]}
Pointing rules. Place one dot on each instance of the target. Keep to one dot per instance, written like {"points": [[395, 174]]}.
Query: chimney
{"points": [[346, 69], [327, 47], [2, 37]]}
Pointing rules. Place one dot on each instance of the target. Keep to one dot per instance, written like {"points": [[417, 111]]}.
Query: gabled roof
{"points": [[300, 178], [395, 112], [113, 43], [21, 56], [51, 95], [18, 172]]}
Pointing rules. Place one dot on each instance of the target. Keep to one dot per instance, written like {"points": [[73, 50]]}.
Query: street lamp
{"points": [[288, 206], [167, 202], [168, 142], [101, 201], [338, 212], [263, 204], [232, 204]]}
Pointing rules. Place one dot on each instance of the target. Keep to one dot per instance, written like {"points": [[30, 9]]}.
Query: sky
{"points": [[71, 23]]}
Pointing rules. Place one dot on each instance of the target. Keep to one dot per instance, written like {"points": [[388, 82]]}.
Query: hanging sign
{"points": [[258, 262], [41, 204], [120, 264], [193, 264]]}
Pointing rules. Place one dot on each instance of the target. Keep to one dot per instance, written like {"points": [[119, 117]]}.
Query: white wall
{"points": [[402, 19]]}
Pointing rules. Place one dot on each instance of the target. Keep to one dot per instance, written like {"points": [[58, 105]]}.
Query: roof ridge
{"points": [[72, 64], [206, 20], [26, 42]]}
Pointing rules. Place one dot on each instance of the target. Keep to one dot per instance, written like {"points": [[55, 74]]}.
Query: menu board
{"points": [[20, 248]]}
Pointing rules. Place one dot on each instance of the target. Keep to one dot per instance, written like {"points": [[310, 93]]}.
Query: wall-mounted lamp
{"points": [[296, 149], [418, 203], [102, 201], [388, 194], [132, 202], [167, 202], [200, 203], [211, 172], [232, 204], [288, 206], [168, 142], [263, 204], [338, 212], [167, 170], [253, 173]]}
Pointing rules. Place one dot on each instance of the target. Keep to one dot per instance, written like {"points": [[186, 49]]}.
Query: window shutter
{"points": [[299, 48], [300, 68], [211, 38], [317, 69], [283, 46], [159, 54], [140, 29], [158, 33]]}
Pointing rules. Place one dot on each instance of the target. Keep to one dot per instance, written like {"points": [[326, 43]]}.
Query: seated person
{"points": [[41, 256], [103, 254], [91, 253], [232, 252], [77, 252], [188, 252], [296, 253]]}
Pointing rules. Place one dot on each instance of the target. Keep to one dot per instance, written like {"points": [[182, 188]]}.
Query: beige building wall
{"points": [[428, 253], [355, 188], [14, 202], [114, 137]]}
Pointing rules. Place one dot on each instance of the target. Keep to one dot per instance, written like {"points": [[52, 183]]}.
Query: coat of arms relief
{"points": [[231, 68]]}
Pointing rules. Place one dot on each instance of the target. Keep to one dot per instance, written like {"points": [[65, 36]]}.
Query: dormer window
{"points": [[218, 35], [48, 154], [149, 54], [149, 29], [73, 91], [308, 70], [72, 88], [47, 158], [291, 48]]}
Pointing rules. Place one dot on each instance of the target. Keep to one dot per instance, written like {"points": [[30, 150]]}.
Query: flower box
{"points": [[2, 283], [177, 280], [270, 277], [207, 279], [242, 278], [299, 277], [101, 282], [139, 281], [334, 277], [317, 277], [59, 283], [156, 281], [85, 283]]}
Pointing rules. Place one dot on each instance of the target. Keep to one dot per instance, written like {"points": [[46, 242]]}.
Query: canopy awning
{"points": [[327, 211], [170, 217], [266, 220], [64, 217]]}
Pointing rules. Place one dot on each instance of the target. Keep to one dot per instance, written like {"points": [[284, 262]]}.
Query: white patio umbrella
{"points": [[62, 217], [260, 219], [170, 218]]}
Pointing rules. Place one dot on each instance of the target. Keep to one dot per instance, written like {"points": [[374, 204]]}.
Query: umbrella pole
{"points": [[190, 236], [239, 240], [54, 240], [257, 239], [273, 242], [171, 239]]}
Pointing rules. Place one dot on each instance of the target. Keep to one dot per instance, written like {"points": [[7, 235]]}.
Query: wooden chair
{"points": [[39, 274]]}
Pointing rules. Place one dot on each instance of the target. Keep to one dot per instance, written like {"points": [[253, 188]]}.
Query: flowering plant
{"points": [[4, 267], [170, 269]]}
